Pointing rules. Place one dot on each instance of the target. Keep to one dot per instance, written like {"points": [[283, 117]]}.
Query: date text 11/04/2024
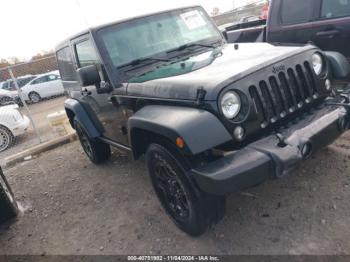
{"points": [[173, 258]]}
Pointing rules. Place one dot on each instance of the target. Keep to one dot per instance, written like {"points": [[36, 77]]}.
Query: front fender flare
{"points": [[200, 129], [82, 115]]}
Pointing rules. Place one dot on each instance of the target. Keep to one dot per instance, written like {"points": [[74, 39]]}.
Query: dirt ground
{"points": [[39, 112], [73, 207]]}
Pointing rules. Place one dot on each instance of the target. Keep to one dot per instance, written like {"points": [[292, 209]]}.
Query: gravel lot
{"points": [[39, 112], [73, 207]]}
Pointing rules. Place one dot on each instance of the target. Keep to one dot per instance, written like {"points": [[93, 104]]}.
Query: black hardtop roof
{"points": [[96, 28]]}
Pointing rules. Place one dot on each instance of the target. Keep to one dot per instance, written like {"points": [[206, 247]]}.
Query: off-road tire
{"points": [[34, 97], [8, 204], [198, 210], [97, 151]]}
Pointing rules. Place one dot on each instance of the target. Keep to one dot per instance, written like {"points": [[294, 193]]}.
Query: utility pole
{"points": [[19, 90]]}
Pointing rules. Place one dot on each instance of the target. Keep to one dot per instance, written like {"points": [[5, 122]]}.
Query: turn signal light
{"points": [[180, 142]]}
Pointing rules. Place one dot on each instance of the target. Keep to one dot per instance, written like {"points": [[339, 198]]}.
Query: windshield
{"points": [[156, 34], [23, 81], [178, 68]]}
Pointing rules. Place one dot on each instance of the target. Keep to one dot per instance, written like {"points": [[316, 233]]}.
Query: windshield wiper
{"points": [[142, 60], [186, 46]]}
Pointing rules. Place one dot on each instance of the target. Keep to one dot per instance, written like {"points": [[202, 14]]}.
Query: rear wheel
{"points": [[34, 97], [6, 138], [8, 205], [192, 210], [97, 151]]}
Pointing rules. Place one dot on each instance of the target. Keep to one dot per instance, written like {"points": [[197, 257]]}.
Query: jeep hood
{"points": [[215, 73]]}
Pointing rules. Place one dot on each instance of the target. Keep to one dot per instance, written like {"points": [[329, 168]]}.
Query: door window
{"points": [[86, 53], [23, 81], [52, 77], [335, 8], [65, 64], [296, 11], [11, 85], [5, 85], [40, 80]]}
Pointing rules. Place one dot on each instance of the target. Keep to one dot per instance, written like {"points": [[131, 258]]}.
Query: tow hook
{"points": [[304, 147], [281, 140]]}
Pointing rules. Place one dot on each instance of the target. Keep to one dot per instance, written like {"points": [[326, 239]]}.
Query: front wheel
{"points": [[97, 151], [8, 205], [34, 97], [6, 138], [192, 210]]}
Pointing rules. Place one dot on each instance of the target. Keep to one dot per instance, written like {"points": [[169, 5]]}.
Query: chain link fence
{"points": [[235, 15], [31, 106]]}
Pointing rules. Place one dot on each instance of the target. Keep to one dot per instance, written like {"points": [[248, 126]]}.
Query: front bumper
{"points": [[21, 127], [275, 155]]}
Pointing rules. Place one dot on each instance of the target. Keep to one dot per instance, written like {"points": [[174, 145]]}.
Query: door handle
{"points": [[328, 33], [85, 92]]}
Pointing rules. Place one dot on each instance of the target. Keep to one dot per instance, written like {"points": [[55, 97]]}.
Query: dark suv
{"points": [[211, 118], [326, 23]]}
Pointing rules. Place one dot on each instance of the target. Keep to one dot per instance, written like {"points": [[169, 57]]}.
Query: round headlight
{"points": [[230, 104], [317, 63]]}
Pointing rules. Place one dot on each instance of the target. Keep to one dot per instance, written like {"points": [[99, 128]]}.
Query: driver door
{"points": [[332, 26], [105, 107]]}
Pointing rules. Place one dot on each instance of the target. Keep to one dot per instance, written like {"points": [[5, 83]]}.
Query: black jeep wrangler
{"points": [[210, 117]]}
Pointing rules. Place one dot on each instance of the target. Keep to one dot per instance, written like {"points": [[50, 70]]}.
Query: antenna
{"points": [[82, 14]]}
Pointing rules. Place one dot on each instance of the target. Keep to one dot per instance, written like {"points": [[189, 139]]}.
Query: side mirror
{"points": [[88, 75]]}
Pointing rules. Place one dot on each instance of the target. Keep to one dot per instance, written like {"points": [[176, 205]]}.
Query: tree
{"points": [[42, 55], [4, 63], [14, 60]]}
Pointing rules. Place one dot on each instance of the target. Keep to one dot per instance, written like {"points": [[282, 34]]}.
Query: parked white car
{"points": [[12, 124], [21, 81], [7, 97], [43, 86]]}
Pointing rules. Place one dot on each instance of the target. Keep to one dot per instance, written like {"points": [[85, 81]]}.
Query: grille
{"points": [[283, 94]]}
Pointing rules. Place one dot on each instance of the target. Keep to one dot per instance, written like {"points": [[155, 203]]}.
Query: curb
{"points": [[38, 149]]}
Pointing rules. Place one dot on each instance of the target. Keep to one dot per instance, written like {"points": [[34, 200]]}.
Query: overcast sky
{"points": [[32, 26]]}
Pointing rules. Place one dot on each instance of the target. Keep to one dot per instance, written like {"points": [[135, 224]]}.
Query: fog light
{"points": [[306, 149], [328, 84], [239, 133]]}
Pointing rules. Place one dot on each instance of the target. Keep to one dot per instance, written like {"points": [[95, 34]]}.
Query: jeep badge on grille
{"points": [[277, 69]]}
